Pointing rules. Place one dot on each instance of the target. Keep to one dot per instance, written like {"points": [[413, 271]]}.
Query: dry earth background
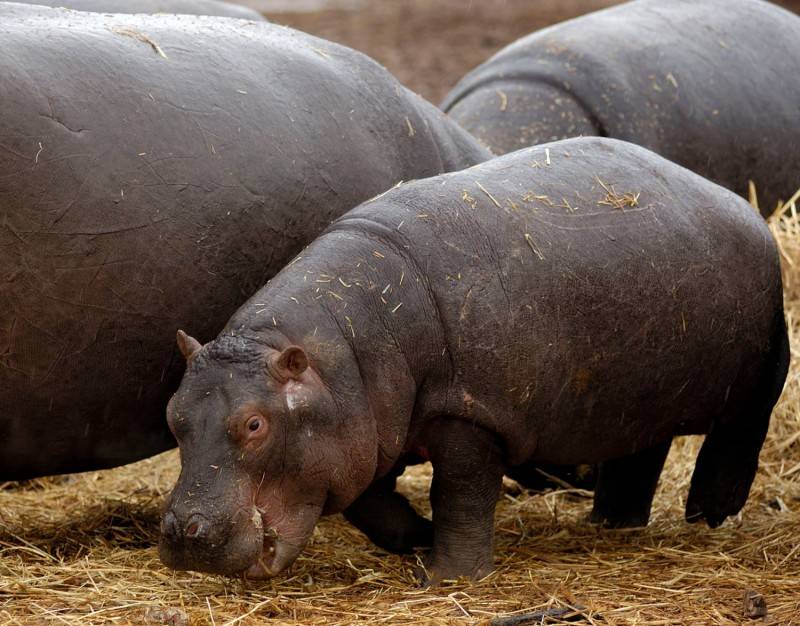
{"points": [[80, 549]]}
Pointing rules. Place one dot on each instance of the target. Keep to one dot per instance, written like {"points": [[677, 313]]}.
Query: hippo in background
{"points": [[708, 84], [160, 188], [216, 8], [583, 301]]}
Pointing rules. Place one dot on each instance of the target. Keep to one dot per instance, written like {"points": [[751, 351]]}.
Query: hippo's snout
{"points": [[193, 541]]}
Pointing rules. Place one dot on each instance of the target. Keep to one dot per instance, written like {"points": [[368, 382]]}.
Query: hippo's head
{"points": [[262, 457]]}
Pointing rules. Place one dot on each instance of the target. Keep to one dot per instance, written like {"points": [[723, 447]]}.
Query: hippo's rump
{"points": [[704, 84]]}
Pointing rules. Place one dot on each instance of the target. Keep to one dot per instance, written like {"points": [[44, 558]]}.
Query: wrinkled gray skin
{"points": [[182, 7], [704, 83], [579, 302], [155, 171]]}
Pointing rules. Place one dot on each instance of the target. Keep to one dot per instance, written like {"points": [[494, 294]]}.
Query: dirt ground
{"points": [[80, 550]]}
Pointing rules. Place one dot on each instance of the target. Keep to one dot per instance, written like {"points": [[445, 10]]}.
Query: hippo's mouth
{"points": [[277, 554]]}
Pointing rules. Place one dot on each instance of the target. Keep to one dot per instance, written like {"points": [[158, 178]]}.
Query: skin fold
{"points": [[583, 301]]}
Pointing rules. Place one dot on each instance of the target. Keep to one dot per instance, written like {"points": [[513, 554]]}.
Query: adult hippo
{"points": [[184, 7], [579, 302], [154, 172], [704, 83]]}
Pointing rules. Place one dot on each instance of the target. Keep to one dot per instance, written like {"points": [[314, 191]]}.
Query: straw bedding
{"points": [[81, 549]]}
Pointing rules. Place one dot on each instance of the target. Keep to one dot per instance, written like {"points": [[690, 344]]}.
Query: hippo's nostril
{"points": [[169, 525], [196, 527]]}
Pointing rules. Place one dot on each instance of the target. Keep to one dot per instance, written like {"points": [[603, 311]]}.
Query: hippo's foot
{"points": [[388, 519], [467, 476], [439, 569], [625, 488]]}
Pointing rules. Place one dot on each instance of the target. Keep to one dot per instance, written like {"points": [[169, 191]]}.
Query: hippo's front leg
{"points": [[388, 519], [468, 471]]}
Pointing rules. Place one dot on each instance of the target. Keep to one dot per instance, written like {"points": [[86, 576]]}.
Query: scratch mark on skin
{"points": [[52, 116], [185, 109], [112, 231], [14, 232], [36, 158], [5, 354], [10, 367], [209, 145], [14, 152], [155, 173], [72, 202], [98, 307], [53, 364], [40, 329]]}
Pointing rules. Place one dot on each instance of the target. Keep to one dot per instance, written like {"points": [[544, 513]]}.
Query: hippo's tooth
{"points": [[262, 568]]}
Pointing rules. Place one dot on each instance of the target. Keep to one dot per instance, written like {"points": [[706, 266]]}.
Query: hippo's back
{"points": [[217, 8], [154, 172], [692, 80], [603, 288]]}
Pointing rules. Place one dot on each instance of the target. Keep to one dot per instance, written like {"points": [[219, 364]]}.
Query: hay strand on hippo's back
{"points": [[81, 549]]}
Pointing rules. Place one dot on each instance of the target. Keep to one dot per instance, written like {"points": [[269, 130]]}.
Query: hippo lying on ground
{"points": [[583, 301], [150, 164], [184, 7], [705, 83]]}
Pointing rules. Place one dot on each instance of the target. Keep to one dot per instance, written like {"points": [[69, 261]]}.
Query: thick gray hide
{"points": [[708, 84], [183, 7], [154, 172]]}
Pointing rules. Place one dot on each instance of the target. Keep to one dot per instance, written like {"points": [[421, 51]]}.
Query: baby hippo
{"points": [[582, 301]]}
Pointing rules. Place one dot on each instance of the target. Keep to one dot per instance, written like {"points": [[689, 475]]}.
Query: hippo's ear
{"points": [[189, 346], [290, 363]]}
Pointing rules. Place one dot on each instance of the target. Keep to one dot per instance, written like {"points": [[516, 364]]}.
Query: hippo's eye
{"points": [[255, 425]]}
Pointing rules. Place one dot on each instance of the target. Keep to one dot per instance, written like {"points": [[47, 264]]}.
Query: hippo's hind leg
{"points": [[388, 519], [728, 459], [625, 488]]}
